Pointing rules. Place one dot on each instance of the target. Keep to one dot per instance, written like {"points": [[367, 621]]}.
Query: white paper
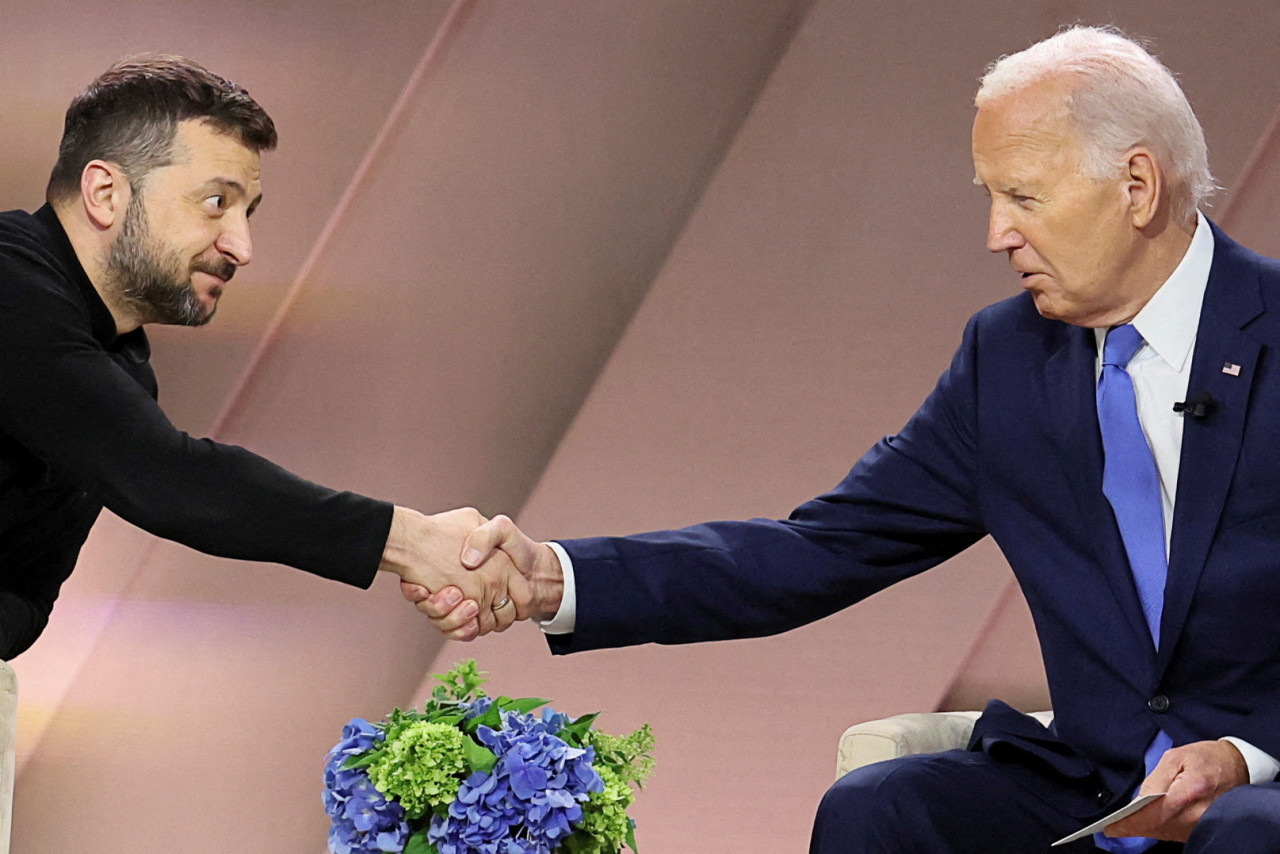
{"points": [[1124, 812]]}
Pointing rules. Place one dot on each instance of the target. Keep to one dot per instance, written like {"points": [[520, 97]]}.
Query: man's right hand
{"points": [[423, 550], [496, 540]]}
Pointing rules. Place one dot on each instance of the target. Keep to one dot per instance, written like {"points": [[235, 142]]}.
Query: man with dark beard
{"points": [[147, 220], [149, 284]]}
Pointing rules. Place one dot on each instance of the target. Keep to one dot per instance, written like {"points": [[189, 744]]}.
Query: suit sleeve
{"points": [[907, 505]]}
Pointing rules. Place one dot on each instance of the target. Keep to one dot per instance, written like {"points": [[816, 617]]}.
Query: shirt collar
{"points": [[103, 324], [1169, 320]]}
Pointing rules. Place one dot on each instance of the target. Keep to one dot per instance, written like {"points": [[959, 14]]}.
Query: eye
{"points": [[215, 202]]}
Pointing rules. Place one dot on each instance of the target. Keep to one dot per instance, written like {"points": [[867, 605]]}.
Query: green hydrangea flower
{"points": [[421, 764], [605, 825], [629, 755]]}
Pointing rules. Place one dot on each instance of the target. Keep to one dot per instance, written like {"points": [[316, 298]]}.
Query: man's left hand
{"points": [[1193, 776]]}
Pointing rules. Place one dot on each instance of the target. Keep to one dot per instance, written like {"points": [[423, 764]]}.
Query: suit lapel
{"points": [[1073, 411], [1223, 365]]}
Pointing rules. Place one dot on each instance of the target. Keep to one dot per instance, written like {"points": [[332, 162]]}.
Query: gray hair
{"points": [[1124, 97]]}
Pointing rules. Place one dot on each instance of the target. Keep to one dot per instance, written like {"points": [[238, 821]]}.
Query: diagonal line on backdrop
{"points": [[452, 20], [790, 25], [1267, 147], [781, 43], [999, 608]]}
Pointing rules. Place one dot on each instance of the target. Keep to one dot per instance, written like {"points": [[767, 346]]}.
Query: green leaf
{"points": [[452, 719], [363, 760], [491, 719], [521, 704], [586, 720], [631, 837], [478, 757], [418, 844], [575, 732]]}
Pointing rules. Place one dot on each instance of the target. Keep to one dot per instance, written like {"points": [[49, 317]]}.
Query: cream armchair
{"points": [[8, 736], [903, 735]]}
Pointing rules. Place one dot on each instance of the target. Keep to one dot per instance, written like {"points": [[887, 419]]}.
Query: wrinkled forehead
{"points": [[206, 153], [197, 139], [1034, 122], [1042, 107]]}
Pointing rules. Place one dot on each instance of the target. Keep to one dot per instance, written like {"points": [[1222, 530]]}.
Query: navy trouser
{"points": [[963, 802]]}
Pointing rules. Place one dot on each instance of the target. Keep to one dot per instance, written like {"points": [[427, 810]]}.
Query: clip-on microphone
{"points": [[1199, 405]]}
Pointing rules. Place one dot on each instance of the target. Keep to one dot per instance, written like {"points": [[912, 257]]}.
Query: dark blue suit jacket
{"points": [[1007, 444]]}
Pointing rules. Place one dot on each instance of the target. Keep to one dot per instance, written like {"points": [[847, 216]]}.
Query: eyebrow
{"points": [[1015, 189], [232, 184]]}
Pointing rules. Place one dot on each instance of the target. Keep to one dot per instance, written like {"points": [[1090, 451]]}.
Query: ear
{"points": [[105, 193], [1144, 187]]}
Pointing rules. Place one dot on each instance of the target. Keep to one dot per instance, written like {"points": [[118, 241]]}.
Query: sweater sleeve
{"points": [[69, 403], [44, 531]]}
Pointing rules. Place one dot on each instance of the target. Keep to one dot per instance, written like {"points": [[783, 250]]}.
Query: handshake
{"points": [[471, 575]]}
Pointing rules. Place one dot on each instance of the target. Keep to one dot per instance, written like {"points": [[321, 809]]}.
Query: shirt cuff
{"points": [[1263, 767], [567, 617]]}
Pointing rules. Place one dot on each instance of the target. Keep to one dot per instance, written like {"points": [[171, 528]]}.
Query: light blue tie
{"points": [[1132, 485]]}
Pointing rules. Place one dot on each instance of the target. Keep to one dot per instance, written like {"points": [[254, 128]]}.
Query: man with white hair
{"points": [[1112, 428]]}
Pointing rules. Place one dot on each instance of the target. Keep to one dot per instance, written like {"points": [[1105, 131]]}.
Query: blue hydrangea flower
{"points": [[477, 707], [361, 820], [528, 803]]}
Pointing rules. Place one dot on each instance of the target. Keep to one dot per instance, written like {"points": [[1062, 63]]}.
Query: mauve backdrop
{"points": [[604, 266]]}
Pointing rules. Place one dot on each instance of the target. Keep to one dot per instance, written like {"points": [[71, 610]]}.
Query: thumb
{"points": [[481, 543]]}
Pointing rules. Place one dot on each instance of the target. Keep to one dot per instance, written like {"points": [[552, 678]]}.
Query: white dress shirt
{"points": [[1160, 371]]}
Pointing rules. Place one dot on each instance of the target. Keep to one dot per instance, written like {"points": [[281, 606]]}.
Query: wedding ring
{"points": [[502, 603]]}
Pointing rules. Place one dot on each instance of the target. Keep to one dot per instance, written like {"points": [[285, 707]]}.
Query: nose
{"points": [[234, 241], [1002, 233]]}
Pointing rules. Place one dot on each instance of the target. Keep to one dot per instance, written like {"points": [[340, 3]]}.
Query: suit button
{"points": [[1158, 704], [1103, 796]]}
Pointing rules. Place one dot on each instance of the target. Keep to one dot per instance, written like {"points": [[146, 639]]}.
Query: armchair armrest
{"points": [[903, 735], [8, 736]]}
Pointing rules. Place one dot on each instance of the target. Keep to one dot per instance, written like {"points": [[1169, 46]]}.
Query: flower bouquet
{"points": [[474, 775]]}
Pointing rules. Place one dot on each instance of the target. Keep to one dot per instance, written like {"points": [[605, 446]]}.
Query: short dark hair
{"points": [[130, 114]]}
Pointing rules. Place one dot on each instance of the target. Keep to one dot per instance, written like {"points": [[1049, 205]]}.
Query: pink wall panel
{"points": [[1252, 211], [807, 308], [617, 266], [507, 229]]}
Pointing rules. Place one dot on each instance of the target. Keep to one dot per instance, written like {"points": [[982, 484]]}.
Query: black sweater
{"points": [[80, 428]]}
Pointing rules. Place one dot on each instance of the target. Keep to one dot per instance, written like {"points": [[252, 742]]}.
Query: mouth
{"points": [[222, 271]]}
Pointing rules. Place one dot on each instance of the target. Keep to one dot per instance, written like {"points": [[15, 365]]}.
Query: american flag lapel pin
{"points": [[1231, 369]]}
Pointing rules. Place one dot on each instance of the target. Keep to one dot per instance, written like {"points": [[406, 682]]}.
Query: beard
{"points": [[152, 281]]}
